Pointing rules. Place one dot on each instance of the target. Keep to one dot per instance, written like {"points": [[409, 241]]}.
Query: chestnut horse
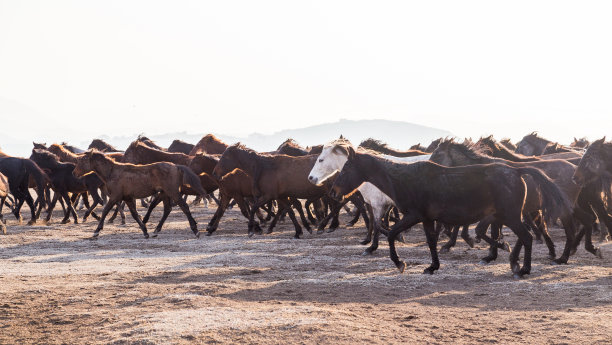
{"points": [[209, 144], [426, 192], [291, 148], [127, 182]]}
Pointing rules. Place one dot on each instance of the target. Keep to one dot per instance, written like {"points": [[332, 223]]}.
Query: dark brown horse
{"points": [[379, 146], [275, 177], [68, 156], [291, 148], [19, 172], [102, 146], [433, 145], [581, 143], [495, 149], [426, 192], [450, 153], [418, 147], [180, 146], [209, 144], [71, 148], [128, 182], [140, 153], [64, 182], [150, 143]]}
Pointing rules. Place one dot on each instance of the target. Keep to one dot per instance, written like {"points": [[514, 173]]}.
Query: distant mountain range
{"points": [[397, 134]]}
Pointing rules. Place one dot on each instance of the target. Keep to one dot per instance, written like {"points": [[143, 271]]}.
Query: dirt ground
{"points": [[59, 287]]}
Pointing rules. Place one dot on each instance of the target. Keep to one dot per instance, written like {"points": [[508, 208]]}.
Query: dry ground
{"points": [[58, 287]]}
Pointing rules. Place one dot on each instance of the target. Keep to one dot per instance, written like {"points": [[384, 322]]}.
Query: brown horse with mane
{"points": [[379, 146], [291, 148], [209, 144], [426, 192], [275, 177], [128, 182], [102, 146]]}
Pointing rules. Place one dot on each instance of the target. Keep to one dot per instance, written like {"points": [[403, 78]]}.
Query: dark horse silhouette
{"points": [[426, 192], [18, 172]]}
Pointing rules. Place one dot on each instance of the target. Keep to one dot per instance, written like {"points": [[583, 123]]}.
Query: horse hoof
{"points": [[197, 234], [517, 276], [515, 267], [366, 252], [110, 221], [331, 230], [401, 266], [65, 221], [598, 253], [32, 222], [364, 242], [428, 270], [483, 262], [251, 233], [320, 231], [146, 235], [209, 233], [470, 242], [296, 236], [154, 234], [444, 250], [309, 230]]}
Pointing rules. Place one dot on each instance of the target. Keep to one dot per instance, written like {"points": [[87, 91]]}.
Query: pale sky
{"points": [[78, 69]]}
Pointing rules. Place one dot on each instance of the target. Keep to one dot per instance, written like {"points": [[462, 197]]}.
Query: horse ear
{"points": [[575, 140], [351, 152]]}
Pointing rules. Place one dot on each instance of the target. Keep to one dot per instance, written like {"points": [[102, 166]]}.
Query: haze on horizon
{"points": [[73, 70]]}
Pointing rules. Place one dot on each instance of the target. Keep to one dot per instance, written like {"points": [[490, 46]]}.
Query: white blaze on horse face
{"points": [[326, 165]]}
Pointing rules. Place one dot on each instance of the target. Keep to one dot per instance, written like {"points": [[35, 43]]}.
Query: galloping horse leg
{"points": [[109, 205], [192, 223], [167, 210], [453, 239], [298, 206], [368, 238], [286, 203], [131, 204], [406, 222], [524, 239], [156, 200]]}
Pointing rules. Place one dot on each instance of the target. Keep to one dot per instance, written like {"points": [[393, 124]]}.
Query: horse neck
{"points": [[504, 153], [461, 158], [377, 173], [103, 167]]}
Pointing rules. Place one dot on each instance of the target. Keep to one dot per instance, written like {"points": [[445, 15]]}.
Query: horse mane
{"points": [[473, 151], [497, 150], [372, 143]]}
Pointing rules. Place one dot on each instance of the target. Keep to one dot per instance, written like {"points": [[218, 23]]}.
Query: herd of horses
{"points": [[446, 186]]}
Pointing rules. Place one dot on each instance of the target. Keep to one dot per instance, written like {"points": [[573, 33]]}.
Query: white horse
{"points": [[331, 160]]}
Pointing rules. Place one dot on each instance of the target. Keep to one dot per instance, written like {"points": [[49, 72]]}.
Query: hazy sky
{"points": [[78, 69]]}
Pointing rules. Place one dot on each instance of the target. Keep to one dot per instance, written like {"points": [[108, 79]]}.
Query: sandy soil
{"points": [[59, 287]]}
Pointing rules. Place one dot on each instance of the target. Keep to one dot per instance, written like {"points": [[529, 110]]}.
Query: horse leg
{"points": [[524, 239], [376, 224], [432, 242], [131, 204], [368, 238], [214, 221], [540, 224], [192, 223], [71, 210], [452, 241], [465, 234], [287, 204], [51, 207], [298, 206], [30, 202], [156, 200], [167, 210], [109, 205], [406, 222]]}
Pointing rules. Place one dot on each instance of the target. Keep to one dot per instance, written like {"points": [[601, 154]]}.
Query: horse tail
{"points": [[554, 202], [192, 180], [40, 177]]}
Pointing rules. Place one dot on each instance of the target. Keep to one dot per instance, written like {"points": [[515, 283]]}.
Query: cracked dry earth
{"points": [[59, 287]]}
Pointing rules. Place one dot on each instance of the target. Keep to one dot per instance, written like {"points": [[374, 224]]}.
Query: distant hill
{"points": [[397, 134]]}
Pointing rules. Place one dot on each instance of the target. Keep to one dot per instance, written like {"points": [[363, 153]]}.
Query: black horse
{"points": [[18, 172], [64, 182], [426, 192]]}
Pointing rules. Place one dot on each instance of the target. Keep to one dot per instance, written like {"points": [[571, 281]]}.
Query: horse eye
{"points": [[320, 160]]}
